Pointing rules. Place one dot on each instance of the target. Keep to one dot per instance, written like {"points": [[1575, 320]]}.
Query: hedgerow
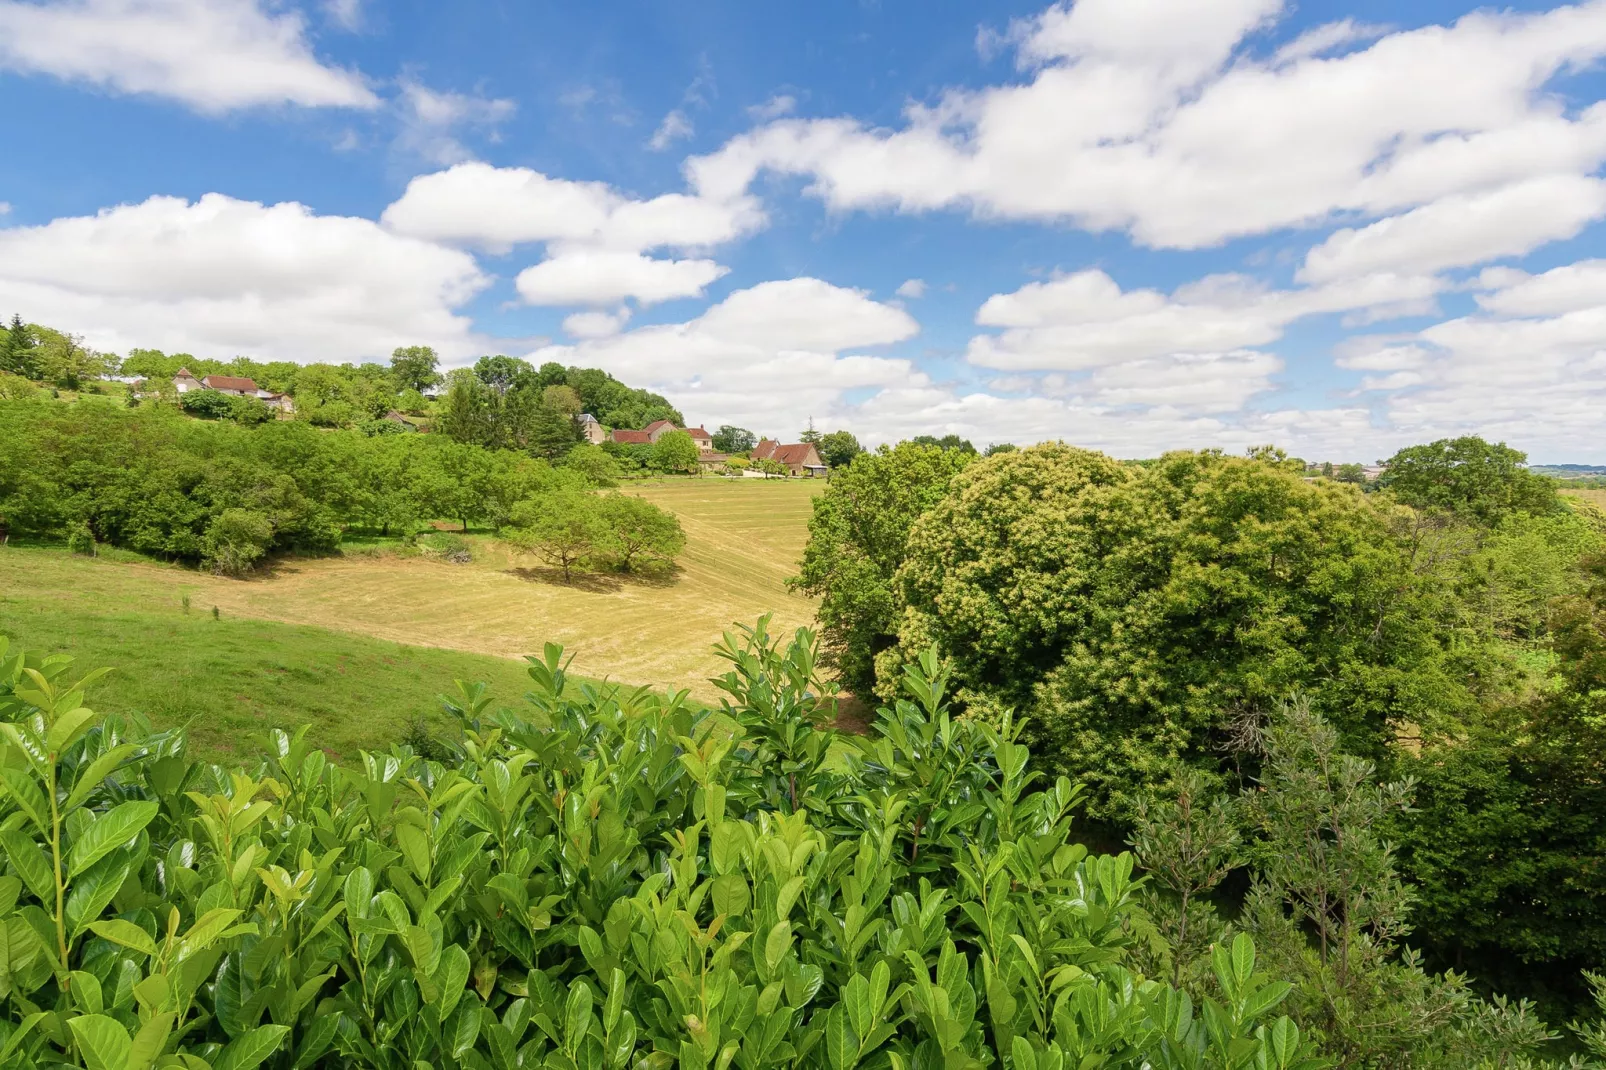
{"points": [[604, 879]]}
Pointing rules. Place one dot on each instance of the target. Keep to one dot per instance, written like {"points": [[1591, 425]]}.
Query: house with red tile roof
{"points": [[800, 458], [659, 428], [231, 384], [633, 437], [234, 385]]}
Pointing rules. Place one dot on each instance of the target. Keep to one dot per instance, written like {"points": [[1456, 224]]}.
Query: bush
{"points": [[207, 404], [251, 411], [610, 880], [382, 426], [80, 540], [236, 540], [446, 546], [15, 387]]}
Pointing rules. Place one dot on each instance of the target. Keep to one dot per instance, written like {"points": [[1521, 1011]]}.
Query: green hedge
{"points": [[608, 879]]}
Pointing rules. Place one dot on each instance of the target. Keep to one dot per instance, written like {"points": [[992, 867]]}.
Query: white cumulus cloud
{"points": [[765, 357], [606, 277], [1154, 117], [211, 55], [220, 277], [496, 208], [1462, 229]]}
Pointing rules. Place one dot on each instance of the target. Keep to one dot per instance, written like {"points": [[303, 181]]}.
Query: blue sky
{"points": [[1131, 224]]}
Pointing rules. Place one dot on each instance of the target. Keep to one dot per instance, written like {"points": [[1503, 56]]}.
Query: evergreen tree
{"points": [[17, 354]]}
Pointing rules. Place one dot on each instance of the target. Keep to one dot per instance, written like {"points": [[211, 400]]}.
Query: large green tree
{"points": [[1508, 838], [639, 533], [17, 354], [731, 439], [858, 536], [414, 368], [675, 451], [565, 529], [1467, 476], [838, 449], [1147, 618]]}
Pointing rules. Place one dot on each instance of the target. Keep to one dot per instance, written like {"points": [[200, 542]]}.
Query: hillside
{"points": [[361, 643]]}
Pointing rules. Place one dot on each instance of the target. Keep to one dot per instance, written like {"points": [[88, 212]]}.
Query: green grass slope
{"points": [[230, 677]]}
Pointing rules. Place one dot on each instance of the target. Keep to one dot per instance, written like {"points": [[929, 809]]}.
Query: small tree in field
{"points": [[564, 529], [675, 452], [639, 533]]}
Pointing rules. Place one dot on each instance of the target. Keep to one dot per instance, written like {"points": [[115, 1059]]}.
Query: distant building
{"points": [[590, 429], [234, 386], [658, 429], [800, 458]]}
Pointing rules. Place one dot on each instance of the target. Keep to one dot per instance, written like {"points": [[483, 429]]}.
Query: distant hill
{"points": [[1569, 471]]}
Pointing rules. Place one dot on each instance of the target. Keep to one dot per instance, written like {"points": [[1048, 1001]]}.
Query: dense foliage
{"points": [[609, 880], [1469, 476], [858, 538], [1148, 617], [1508, 840], [572, 529], [151, 481]]}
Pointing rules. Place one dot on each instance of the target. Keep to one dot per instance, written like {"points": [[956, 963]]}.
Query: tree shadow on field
{"points": [[598, 582]]}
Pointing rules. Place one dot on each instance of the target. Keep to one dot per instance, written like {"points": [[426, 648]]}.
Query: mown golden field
{"points": [[360, 644]]}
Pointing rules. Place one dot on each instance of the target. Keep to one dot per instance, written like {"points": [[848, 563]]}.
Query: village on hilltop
{"points": [[798, 458]]}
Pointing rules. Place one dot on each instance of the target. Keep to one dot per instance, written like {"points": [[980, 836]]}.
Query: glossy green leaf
{"points": [[108, 832], [103, 1042]]}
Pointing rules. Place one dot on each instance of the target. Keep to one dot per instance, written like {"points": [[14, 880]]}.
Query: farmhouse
{"points": [[234, 386], [800, 458], [658, 429]]}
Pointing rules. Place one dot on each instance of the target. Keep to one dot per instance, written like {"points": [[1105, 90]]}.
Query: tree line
{"points": [[1444, 629], [223, 495]]}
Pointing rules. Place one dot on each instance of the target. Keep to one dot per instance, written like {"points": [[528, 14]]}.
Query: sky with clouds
{"points": [[1129, 224]]}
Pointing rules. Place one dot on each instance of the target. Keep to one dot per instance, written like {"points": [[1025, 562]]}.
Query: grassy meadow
{"points": [[1590, 494], [360, 644]]}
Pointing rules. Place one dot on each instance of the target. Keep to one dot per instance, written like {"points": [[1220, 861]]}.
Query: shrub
{"points": [[207, 404], [235, 541], [15, 387], [446, 546], [251, 411], [612, 880], [80, 540], [382, 426]]}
